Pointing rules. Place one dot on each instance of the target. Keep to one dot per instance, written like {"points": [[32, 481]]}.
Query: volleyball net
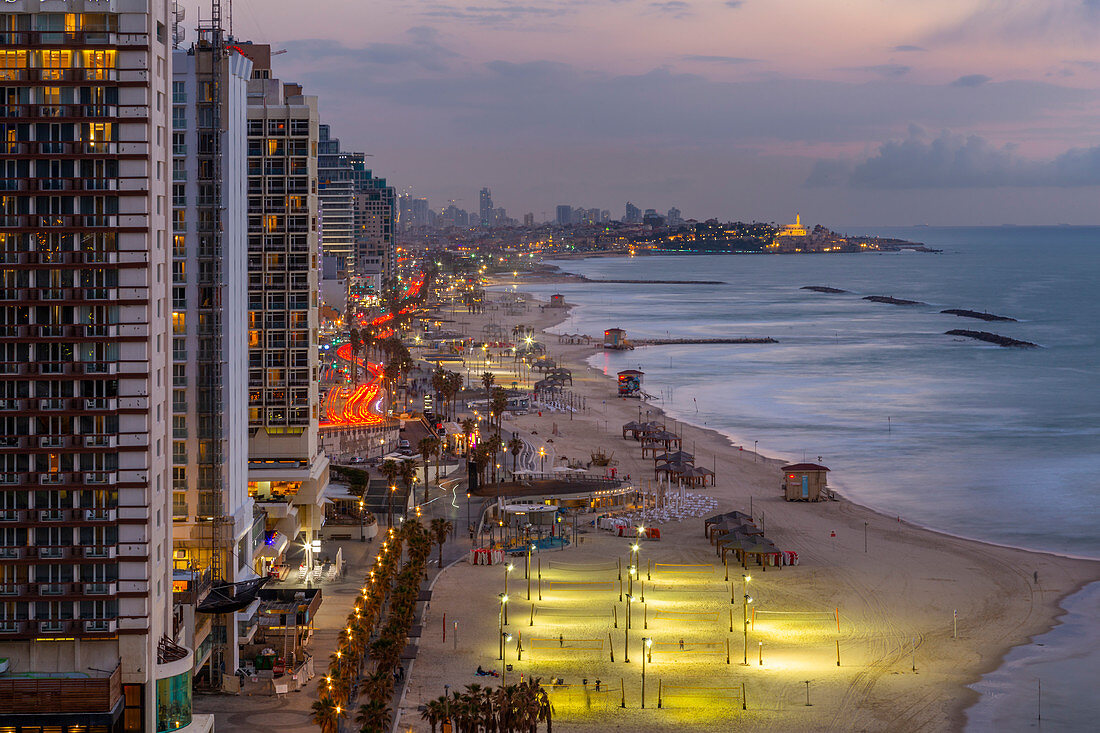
{"points": [[698, 695], [662, 567], [689, 647], [812, 617], [561, 643], [542, 614], [583, 697], [568, 586], [565, 567], [698, 616]]}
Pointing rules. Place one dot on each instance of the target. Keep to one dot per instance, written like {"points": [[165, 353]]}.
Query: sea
{"points": [[998, 444]]}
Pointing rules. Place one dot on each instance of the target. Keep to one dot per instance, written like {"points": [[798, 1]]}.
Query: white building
{"points": [[85, 494], [287, 469], [211, 508]]}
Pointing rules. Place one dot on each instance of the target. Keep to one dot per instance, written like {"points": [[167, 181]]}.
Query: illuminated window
{"points": [[179, 323]]}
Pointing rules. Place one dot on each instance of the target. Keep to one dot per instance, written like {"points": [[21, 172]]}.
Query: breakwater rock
{"points": [[822, 289], [993, 338], [964, 313], [892, 301]]}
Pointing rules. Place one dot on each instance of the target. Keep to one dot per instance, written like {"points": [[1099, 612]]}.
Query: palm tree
{"points": [[441, 528], [356, 346], [374, 716], [498, 405], [434, 712], [326, 714], [515, 445], [391, 470], [468, 426], [494, 444], [488, 379], [428, 447], [408, 476]]}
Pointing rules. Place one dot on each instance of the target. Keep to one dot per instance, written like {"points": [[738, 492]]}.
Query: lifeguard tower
{"points": [[630, 383]]}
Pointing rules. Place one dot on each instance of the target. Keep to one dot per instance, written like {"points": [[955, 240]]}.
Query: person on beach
{"points": [[681, 645], [561, 640]]}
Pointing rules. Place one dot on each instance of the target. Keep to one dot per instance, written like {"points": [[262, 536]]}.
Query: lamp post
{"points": [[626, 646], [542, 455], [507, 572], [504, 639], [745, 614], [503, 605], [645, 653], [755, 453], [362, 537], [469, 518], [393, 490]]}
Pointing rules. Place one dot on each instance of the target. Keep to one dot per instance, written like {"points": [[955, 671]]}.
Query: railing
{"points": [[59, 695]]}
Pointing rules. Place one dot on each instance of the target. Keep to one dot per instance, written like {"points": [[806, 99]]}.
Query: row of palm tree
{"points": [[506, 709], [385, 605], [392, 471], [353, 643], [446, 385]]}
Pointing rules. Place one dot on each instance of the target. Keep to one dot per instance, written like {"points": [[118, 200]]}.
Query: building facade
{"points": [[215, 531], [287, 470], [84, 314]]}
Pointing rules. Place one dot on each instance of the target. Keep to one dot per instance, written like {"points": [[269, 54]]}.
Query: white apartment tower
{"points": [[85, 582], [287, 469], [210, 348]]}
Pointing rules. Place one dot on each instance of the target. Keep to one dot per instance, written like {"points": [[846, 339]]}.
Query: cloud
{"points": [[886, 71], [734, 3], [971, 80], [908, 49], [674, 8], [732, 60], [957, 161], [1025, 21], [504, 12], [422, 50]]}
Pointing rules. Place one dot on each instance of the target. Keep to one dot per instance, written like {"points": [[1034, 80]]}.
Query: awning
{"points": [[273, 546]]}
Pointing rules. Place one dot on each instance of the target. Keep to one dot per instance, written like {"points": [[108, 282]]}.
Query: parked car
{"points": [[403, 444], [357, 459]]}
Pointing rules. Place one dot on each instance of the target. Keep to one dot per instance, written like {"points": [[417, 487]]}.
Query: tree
{"points": [[326, 714], [497, 405], [434, 712], [494, 445], [488, 379], [441, 528], [515, 445], [408, 476], [468, 426], [374, 716], [391, 471], [356, 346], [428, 447]]}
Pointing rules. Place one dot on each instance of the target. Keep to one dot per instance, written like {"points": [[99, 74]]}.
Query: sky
{"points": [[851, 112]]}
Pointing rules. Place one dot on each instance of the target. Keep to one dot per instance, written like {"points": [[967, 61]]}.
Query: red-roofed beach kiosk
{"points": [[805, 482]]}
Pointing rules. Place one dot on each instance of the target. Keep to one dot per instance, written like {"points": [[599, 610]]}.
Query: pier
{"points": [[891, 300], [670, 342]]}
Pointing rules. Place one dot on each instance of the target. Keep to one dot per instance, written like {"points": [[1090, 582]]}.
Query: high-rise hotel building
{"points": [[216, 534], [85, 488], [287, 469]]}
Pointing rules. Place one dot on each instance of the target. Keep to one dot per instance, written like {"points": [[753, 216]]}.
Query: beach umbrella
{"points": [[678, 456]]}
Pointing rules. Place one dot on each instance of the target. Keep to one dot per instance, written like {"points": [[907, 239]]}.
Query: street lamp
{"points": [[542, 455], [645, 653], [362, 537], [507, 570], [504, 639], [745, 600], [626, 646], [503, 605]]}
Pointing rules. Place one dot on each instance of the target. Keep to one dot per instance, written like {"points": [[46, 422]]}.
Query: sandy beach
{"points": [[896, 586]]}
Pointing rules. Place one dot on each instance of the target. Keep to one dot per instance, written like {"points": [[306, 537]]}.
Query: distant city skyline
{"points": [[871, 111]]}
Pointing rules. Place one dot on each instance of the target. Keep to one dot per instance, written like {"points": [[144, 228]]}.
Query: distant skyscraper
{"points": [[420, 211], [565, 215], [335, 198], [633, 214], [485, 208], [674, 218], [528, 220]]}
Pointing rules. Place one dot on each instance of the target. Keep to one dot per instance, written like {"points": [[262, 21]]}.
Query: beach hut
{"points": [[805, 482], [557, 300], [615, 338], [630, 383]]}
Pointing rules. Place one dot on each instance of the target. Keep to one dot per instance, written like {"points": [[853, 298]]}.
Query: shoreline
{"points": [[576, 357]]}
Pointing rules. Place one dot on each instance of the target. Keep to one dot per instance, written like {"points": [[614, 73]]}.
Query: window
{"points": [[179, 118], [179, 322], [179, 143], [179, 350], [179, 478], [179, 92], [179, 426], [179, 375], [179, 449]]}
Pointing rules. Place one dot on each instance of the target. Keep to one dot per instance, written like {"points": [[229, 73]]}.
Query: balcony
{"points": [[51, 515], [98, 478], [28, 694], [11, 627], [12, 589], [102, 552], [97, 515], [100, 589], [101, 625]]}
